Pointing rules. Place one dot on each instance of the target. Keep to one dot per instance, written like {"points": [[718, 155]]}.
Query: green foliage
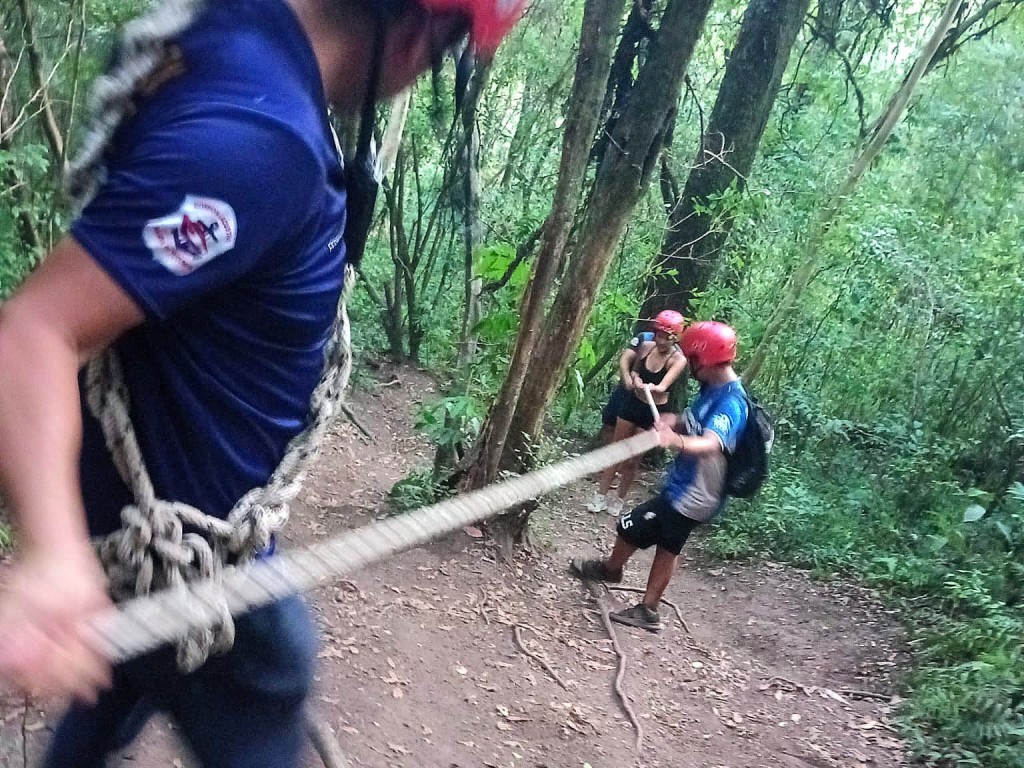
{"points": [[451, 421], [415, 490], [898, 386]]}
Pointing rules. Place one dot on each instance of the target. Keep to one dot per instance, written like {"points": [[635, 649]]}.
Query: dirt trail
{"points": [[420, 665]]}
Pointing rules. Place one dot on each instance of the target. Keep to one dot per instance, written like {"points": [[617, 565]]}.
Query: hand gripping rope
{"points": [[143, 624]]}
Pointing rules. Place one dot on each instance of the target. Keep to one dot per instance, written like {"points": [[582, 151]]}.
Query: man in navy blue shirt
{"points": [[693, 492], [211, 258]]}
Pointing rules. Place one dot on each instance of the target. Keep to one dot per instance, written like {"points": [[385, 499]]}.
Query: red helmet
{"points": [[709, 343], [490, 20], [670, 322]]}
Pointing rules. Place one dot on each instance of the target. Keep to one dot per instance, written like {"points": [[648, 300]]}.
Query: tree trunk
{"points": [[471, 227], [520, 141], [627, 60], [621, 180], [696, 231], [446, 455], [392, 138], [396, 302], [41, 84], [601, 20]]}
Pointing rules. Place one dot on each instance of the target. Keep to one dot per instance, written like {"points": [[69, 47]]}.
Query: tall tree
{"points": [[697, 229], [801, 277], [622, 178], [601, 19]]}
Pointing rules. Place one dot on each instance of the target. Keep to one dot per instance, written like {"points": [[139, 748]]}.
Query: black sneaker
{"points": [[593, 570], [639, 616]]}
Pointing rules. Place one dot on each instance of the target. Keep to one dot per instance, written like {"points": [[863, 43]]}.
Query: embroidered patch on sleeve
{"points": [[199, 231], [721, 423]]}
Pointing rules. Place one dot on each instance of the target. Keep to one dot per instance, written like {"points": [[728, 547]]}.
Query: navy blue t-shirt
{"points": [[221, 216]]}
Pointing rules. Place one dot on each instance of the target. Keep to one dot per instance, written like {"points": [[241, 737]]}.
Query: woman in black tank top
{"points": [[655, 365]]}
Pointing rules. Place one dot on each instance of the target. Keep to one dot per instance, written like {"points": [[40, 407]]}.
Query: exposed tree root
{"points": [[544, 665], [855, 694], [352, 417], [602, 606]]}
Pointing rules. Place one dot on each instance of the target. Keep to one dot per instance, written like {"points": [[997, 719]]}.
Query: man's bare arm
{"points": [[68, 310]]}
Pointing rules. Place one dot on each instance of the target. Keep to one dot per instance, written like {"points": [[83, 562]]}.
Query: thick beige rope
{"points": [[164, 544], [145, 623]]}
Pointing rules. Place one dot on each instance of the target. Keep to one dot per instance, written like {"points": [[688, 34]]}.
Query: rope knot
{"points": [[164, 544]]}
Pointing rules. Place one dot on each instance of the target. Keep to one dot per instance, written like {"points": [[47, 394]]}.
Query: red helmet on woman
{"points": [[709, 343], [489, 20], [670, 322]]}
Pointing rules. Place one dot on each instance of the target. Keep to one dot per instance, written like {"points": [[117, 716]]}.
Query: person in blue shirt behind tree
{"points": [[208, 259], [693, 491]]}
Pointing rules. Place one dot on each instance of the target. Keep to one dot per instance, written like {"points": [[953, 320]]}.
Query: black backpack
{"points": [[747, 465]]}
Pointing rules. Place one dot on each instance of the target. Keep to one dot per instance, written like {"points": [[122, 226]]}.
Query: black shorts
{"points": [[655, 523], [638, 412], [614, 407]]}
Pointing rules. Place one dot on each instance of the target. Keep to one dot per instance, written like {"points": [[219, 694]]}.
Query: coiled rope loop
{"points": [[162, 545]]}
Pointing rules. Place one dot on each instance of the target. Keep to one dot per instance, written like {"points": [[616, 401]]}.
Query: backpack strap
{"points": [[638, 359]]}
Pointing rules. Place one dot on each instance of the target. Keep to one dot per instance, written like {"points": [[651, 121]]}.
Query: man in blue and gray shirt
{"points": [[693, 492]]}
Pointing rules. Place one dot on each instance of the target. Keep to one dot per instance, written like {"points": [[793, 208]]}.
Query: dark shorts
{"points": [[655, 523], [611, 411], [638, 412], [241, 710]]}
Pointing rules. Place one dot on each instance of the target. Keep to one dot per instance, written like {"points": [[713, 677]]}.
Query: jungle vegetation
{"points": [[842, 181]]}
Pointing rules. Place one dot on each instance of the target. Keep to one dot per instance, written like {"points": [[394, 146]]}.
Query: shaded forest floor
{"points": [[420, 663]]}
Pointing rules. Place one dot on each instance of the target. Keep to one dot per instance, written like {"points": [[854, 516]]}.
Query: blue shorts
{"points": [[245, 709]]}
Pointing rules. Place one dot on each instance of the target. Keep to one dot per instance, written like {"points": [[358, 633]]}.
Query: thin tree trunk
{"points": [[637, 30], [392, 138], [471, 227], [600, 24], [801, 276], [524, 127], [448, 455], [28, 232], [41, 83]]}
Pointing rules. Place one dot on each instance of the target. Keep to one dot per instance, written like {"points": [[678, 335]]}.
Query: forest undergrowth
{"points": [[895, 375], [958, 578]]}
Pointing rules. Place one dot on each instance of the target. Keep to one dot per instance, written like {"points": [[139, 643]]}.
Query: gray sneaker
{"points": [[639, 616]]}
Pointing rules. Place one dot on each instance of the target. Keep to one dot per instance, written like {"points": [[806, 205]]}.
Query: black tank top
{"points": [[649, 377]]}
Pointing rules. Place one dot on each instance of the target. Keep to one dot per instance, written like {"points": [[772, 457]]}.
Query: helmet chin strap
{"points": [[363, 173]]}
